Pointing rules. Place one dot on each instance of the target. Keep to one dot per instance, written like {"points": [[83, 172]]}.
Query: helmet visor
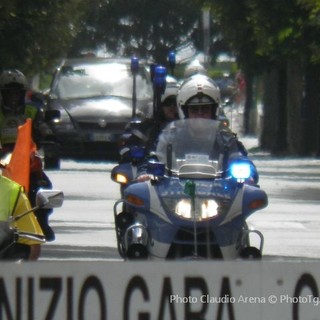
{"points": [[169, 102], [200, 108], [200, 100]]}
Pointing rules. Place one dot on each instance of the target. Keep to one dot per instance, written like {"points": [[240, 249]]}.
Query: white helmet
{"points": [[12, 80], [193, 68], [198, 90], [13, 77], [172, 88]]}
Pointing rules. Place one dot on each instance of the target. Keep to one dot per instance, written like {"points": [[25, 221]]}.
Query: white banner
{"points": [[194, 290]]}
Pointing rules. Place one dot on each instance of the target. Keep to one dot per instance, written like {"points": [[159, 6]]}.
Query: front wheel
{"points": [[17, 252], [51, 151], [251, 253]]}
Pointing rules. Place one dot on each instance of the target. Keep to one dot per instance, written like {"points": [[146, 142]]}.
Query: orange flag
{"points": [[18, 168]]}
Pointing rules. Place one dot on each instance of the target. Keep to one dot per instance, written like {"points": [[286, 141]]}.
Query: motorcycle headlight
{"points": [[204, 209], [183, 208]]}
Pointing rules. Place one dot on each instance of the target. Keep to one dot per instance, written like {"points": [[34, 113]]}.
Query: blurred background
{"points": [[265, 55]]}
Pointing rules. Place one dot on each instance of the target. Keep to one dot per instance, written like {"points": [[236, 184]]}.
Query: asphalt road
{"points": [[85, 230], [290, 224]]}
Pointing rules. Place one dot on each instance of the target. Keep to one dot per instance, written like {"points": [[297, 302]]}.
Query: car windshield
{"points": [[111, 79]]}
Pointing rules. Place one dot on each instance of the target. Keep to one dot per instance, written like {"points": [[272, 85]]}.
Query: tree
{"points": [[278, 40], [146, 28], [231, 19], [35, 33]]}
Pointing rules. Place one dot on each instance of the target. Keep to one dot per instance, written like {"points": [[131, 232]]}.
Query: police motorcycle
{"points": [[132, 144], [195, 206], [19, 231]]}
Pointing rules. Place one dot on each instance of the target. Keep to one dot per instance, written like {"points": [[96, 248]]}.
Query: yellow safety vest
{"points": [[14, 202], [9, 124], [9, 191]]}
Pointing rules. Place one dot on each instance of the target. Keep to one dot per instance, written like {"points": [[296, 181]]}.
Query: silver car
{"points": [[91, 101]]}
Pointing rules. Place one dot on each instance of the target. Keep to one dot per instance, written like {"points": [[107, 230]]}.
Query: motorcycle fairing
{"points": [[251, 194], [141, 191], [172, 190], [236, 206], [227, 228], [229, 233], [162, 231]]}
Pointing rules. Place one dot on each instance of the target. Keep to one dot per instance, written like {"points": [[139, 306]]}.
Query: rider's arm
{"points": [[152, 151]]}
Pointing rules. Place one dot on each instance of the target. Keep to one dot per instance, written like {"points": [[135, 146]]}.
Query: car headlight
{"points": [[204, 209], [62, 125]]}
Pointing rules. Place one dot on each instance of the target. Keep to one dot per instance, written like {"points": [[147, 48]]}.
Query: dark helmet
{"points": [[169, 98], [13, 80]]}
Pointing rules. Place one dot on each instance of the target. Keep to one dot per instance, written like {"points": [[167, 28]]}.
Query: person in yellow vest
{"points": [[13, 203], [14, 110]]}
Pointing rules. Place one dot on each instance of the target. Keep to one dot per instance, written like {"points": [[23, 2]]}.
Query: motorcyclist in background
{"points": [[199, 97], [145, 133], [167, 112], [14, 110], [193, 68]]}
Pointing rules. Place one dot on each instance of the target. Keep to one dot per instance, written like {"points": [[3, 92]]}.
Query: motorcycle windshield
{"points": [[189, 148]]}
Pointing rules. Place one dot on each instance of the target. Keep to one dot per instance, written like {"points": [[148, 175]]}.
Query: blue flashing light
{"points": [[172, 58], [160, 74], [134, 65], [240, 170]]}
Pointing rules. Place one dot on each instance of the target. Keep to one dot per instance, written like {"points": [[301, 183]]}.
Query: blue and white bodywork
{"points": [[197, 203]]}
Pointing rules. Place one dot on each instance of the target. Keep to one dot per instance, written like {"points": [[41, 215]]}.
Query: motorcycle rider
{"points": [[146, 132], [14, 110], [193, 68], [199, 98], [167, 112], [13, 203]]}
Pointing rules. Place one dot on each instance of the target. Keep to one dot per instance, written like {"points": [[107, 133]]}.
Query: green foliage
{"points": [[34, 33], [146, 28], [262, 33]]}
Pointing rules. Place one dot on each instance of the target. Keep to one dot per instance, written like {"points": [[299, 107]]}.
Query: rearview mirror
{"points": [[49, 198]]}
